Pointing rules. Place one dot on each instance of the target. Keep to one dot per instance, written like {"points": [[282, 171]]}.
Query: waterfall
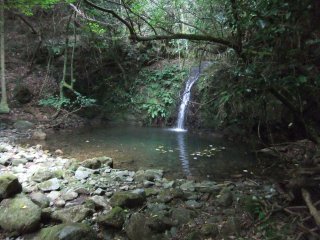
{"points": [[193, 77]]}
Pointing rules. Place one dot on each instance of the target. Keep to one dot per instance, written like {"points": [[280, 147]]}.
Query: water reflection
{"points": [[183, 153]]}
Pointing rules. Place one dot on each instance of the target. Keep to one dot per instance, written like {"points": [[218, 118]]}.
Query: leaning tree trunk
{"points": [[4, 108]]}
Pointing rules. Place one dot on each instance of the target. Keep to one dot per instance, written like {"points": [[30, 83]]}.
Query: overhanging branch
{"points": [[136, 37]]}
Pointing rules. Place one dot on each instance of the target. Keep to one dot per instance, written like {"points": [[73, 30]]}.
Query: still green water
{"points": [[180, 154]]}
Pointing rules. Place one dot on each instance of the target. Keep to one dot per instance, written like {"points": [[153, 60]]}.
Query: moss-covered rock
{"points": [[127, 199], [225, 198], [19, 214], [115, 218], [9, 186], [75, 231], [72, 214], [95, 163]]}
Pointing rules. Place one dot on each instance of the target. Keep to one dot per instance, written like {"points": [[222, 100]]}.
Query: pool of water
{"points": [[180, 154]]}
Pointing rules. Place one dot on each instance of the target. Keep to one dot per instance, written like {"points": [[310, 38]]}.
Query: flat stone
{"points": [[50, 185], [19, 214], [74, 231], [9, 185]]}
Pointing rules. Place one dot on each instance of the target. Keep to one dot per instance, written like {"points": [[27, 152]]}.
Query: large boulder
{"points": [[75, 231], [127, 199], [9, 186], [19, 214]]}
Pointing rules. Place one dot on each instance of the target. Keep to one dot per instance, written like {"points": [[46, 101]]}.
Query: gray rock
{"points": [[50, 185], [18, 161], [39, 135], [60, 203], [210, 230], [182, 216], [231, 227], [188, 186], [127, 199], [42, 175], [100, 202], [168, 195], [69, 195], [83, 173], [54, 195], [207, 187], [74, 231], [147, 183], [150, 175], [98, 162], [136, 228], [9, 185], [23, 125], [19, 214], [193, 204], [168, 185], [72, 214], [225, 198], [114, 218], [40, 199], [5, 160], [99, 191]]}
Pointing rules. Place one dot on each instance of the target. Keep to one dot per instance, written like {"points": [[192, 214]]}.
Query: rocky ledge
{"points": [[43, 196]]}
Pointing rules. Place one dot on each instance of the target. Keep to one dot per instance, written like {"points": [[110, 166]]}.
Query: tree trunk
{"points": [[4, 108]]}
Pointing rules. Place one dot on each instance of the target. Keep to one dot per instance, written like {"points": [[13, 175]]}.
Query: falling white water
{"points": [[193, 77]]}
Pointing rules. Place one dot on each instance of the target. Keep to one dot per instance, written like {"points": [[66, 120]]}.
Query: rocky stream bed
{"points": [[46, 196]]}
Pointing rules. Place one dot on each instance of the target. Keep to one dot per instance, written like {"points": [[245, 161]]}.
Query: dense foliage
{"points": [[266, 75]]}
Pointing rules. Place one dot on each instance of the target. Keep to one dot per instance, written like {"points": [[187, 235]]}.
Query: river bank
{"points": [[47, 196]]}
